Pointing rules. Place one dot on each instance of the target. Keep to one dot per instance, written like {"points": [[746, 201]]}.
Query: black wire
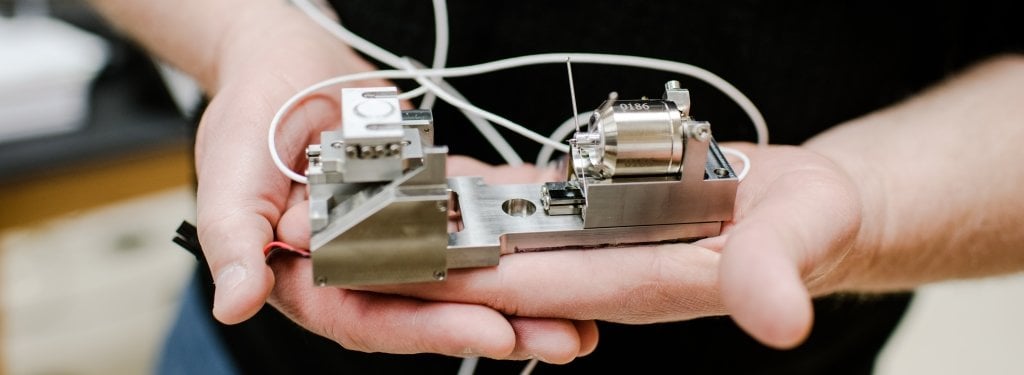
{"points": [[188, 239]]}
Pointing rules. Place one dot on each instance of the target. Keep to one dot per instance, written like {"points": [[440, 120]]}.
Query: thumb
{"points": [[761, 285], [794, 233], [233, 247], [237, 205]]}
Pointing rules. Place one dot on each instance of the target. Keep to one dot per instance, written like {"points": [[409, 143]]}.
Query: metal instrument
{"points": [[642, 172]]}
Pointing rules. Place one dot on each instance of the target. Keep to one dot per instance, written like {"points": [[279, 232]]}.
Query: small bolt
{"points": [[337, 144], [672, 85], [394, 149], [439, 275], [366, 152], [321, 280], [351, 151], [701, 132], [721, 172], [379, 150]]}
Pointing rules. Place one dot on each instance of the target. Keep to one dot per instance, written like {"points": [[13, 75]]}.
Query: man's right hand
{"points": [[242, 198]]}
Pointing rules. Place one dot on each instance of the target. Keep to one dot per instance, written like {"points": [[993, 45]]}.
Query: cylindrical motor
{"points": [[633, 138]]}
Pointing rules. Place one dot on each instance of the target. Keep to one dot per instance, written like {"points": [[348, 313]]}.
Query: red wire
{"points": [[278, 245]]}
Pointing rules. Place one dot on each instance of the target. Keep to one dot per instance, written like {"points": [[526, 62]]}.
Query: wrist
{"points": [[855, 271], [277, 39]]}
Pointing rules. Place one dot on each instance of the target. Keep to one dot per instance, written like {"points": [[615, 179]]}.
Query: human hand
{"points": [[370, 321], [242, 198], [796, 217]]}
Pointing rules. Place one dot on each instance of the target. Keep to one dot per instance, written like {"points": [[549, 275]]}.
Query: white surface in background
{"points": [[961, 327], [46, 67], [94, 292]]}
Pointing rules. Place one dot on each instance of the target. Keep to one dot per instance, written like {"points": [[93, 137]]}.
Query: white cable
{"points": [[743, 157], [382, 55], [350, 38], [485, 128], [414, 93], [550, 58], [468, 365], [458, 103], [587, 58], [489, 132], [563, 131], [440, 47], [529, 367]]}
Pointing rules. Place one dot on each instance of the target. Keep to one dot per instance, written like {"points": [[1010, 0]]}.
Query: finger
{"points": [[241, 194], [549, 340], [762, 288], [630, 285], [293, 228], [553, 340], [235, 214], [374, 322], [587, 330], [772, 252]]}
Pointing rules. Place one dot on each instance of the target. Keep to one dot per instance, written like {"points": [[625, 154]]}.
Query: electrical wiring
{"points": [[529, 367], [440, 46], [515, 62], [485, 128], [468, 365], [413, 94], [740, 155], [276, 246], [440, 58], [458, 103]]}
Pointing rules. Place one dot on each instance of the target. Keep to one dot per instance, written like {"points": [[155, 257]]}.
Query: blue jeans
{"points": [[192, 345]]}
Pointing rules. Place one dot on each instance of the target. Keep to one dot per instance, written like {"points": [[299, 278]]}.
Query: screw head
{"points": [[701, 132]]}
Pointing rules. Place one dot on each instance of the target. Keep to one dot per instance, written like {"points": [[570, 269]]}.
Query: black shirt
{"points": [[807, 65]]}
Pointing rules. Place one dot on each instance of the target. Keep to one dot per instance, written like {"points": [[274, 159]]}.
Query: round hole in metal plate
{"points": [[518, 207]]}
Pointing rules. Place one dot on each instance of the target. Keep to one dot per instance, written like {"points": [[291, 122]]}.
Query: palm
{"points": [[794, 219]]}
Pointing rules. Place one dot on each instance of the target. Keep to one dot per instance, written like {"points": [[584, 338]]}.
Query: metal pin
{"points": [[612, 97], [572, 94]]}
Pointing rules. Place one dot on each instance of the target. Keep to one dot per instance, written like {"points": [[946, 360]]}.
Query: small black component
{"points": [[188, 238]]}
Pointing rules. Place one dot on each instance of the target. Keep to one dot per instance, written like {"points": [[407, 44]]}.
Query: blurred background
{"points": [[96, 174]]}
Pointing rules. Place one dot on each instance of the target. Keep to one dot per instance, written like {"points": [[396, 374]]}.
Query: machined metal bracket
{"points": [[381, 207]]}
